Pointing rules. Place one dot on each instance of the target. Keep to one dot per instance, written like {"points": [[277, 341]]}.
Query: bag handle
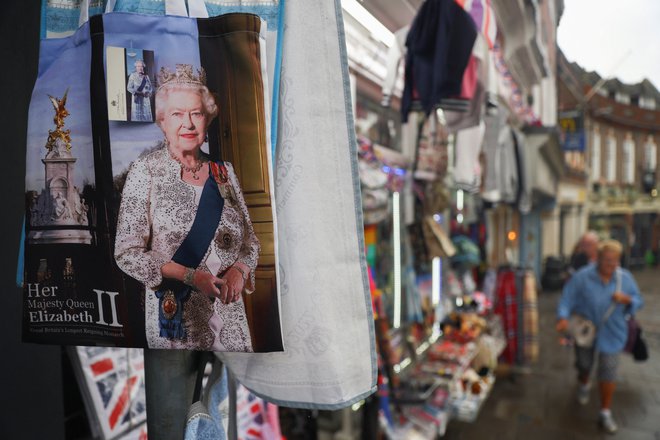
{"points": [[176, 7], [110, 6], [195, 9], [203, 360], [84, 12], [612, 306]]}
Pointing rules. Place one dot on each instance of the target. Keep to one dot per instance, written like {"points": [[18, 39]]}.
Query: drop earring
{"points": [[206, 138]]}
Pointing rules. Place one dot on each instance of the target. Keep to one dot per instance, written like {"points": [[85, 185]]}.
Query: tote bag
{"points": [[329, 359], [102, 191]]}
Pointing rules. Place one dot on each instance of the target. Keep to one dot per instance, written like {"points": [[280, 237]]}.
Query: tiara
{"points": [[182, 75]]}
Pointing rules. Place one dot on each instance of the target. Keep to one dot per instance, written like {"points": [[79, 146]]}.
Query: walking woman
{"points": [[604, 294]]}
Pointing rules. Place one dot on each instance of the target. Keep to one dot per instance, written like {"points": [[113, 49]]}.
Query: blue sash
{"points": [[173, 294], [138, 97]]}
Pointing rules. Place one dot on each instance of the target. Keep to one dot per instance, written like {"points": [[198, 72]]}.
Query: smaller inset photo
{"points": [[130, 84]]}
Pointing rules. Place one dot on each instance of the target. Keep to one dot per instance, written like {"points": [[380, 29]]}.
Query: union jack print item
{"points": [[112, 382], [256, 419]]}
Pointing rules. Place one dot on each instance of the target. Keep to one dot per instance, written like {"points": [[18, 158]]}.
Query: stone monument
{"points": [[59, 204]]}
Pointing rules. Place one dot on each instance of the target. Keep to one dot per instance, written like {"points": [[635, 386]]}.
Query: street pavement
{"points": [[540, 404]]}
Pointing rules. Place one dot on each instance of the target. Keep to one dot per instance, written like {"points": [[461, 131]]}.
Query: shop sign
{"points": [[572, 131]]}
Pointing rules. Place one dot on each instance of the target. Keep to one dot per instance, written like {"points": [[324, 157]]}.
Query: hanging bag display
{"points": [[127, 245], [329, 361]]}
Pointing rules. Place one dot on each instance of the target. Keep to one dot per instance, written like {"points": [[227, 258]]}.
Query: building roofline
{"points": [[643, 88]]}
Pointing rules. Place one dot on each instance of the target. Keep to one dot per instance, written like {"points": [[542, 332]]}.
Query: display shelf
{"points": [[466, 408], [435, 383]]}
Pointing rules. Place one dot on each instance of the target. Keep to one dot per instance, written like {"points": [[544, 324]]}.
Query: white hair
{"points": [[610, 246]]}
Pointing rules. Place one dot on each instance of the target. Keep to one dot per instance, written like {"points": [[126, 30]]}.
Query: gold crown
{"points": [[182, 75]]}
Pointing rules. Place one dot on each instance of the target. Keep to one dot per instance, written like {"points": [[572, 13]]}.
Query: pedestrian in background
{"points": [[585, 252], [594, 293]]}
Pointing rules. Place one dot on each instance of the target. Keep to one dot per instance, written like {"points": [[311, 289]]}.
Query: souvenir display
{"points": [[222, 180], [111, 381], [284, 110], [138, 232]]}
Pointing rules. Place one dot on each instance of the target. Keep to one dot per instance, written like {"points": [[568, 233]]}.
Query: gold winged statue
{"points": [[60, 113]]}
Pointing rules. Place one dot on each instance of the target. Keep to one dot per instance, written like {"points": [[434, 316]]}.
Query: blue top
{"points": [[587, 295]]}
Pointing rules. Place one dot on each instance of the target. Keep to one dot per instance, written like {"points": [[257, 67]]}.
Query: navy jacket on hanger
{"points": [[439, 45]]}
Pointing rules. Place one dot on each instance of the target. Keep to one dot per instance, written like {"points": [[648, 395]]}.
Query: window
{"points": [[622, 98], [610, 160], [650, 154], [629, 160], [595, 156], [647, 103]]}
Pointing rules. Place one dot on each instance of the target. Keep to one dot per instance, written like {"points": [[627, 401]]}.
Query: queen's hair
{"points": [[208, 101]]}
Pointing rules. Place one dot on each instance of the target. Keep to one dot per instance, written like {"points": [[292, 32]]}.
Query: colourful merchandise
{"points": [[111, 381], [530, 319], [256, 418], [506, 306], [484, 18]]}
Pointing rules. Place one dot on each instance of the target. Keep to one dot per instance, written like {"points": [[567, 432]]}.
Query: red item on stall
{"points": [[506, 305]]}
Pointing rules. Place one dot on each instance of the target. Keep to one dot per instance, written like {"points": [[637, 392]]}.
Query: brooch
{"points": [[169, 304]]}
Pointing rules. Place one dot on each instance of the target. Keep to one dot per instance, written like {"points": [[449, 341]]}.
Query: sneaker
{"points": [[583, 394], [608, 423]]}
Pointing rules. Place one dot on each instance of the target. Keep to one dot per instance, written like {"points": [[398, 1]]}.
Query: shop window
{"points": [[647, 103], [622, 98], [650, 154], [610, 160]]}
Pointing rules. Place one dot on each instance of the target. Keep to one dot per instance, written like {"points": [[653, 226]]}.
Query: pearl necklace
{"points": [[194, 169]]}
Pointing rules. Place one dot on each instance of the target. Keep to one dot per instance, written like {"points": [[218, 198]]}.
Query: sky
{"points": [[70, 70], [56, 75], [597, 34]]}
